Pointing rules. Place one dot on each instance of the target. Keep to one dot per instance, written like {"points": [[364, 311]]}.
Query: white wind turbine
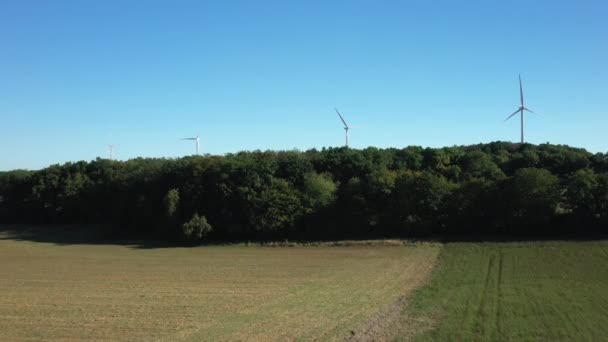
{"points": [[346, 128], [195, 139], [521, 109], [111, 151]]}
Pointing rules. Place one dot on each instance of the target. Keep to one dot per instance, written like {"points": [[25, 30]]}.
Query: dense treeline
{"points": [[333, 193]]}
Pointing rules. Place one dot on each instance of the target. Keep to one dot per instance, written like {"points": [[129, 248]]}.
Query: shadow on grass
{"points": [[64, 235], [74, 234], [590, 234]]}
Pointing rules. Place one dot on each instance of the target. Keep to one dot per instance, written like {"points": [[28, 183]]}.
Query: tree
{"points": [[171, 203], [276, 208], [320, 190], [532, 195], [332, 193], [472, 206], [409, 158], [581, 191], [601, 199], [477, 164], [197, 228], [171, 207], [293, 166], [419, 200]]}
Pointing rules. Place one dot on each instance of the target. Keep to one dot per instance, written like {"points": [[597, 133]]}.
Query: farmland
{"points": [[549, 291], [76, 291], [65, 286]]}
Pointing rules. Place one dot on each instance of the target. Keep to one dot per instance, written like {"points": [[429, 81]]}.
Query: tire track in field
{"points": [[605, 252], [497, 315], [484, 295]]}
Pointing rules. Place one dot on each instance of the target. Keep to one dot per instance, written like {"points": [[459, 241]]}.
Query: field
{"points": [[540, 291], [54, 288], [76, 291]]}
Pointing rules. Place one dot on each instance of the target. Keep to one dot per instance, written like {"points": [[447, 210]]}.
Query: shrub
{"points": [[196, 228]]}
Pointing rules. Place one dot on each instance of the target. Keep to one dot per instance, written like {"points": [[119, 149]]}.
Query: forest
{"points": [[490, 189]]}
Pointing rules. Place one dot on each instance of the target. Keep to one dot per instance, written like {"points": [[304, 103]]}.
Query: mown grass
{"points": [[532, 291], [80, 291]]}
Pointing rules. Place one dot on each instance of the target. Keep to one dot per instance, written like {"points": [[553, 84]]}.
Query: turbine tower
{"points": [[521, 110], [111, 150], [195, 139], [345, 126]]}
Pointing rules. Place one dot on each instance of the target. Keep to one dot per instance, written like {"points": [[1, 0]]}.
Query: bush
{"points": [[196, 228]]}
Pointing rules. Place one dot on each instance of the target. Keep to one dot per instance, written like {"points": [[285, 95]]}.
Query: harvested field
{"points": [[112, 292]]}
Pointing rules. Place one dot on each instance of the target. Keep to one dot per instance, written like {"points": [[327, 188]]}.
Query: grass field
{"points": [[536, 291], [79, 291]]}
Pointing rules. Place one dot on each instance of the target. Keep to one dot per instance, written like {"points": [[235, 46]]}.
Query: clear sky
{"points": [[76, 76]]}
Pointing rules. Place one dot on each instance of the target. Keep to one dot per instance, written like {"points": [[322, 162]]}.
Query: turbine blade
{"points": [[521, 92], [188, 139], [341, 118], [510, 116], [531, 111]]}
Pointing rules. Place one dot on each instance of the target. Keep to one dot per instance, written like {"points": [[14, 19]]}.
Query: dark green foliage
{"points": [[331, 193], [420, 200], [600, 196], [477, 164], [277, 208], [581, 190], [531, 195]]}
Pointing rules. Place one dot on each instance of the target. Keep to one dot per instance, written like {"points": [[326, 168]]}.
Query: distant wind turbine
{"points": [[521, 110], [346, 128], [195, 139], [111, 151]]}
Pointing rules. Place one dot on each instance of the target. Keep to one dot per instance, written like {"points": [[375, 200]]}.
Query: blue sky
{"points": [[76, 76]]}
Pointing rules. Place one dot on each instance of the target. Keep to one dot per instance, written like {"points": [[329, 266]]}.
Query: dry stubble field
{"points": [[51, 291]]}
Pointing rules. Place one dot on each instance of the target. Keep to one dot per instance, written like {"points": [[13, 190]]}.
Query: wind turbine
{"points": [[111, 150], [521, 110], [195, 139], [345, 125]]}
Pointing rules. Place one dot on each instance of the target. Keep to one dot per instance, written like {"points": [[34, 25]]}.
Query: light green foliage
{"points": [[196, 228], [536, 291], [171, 202], [320, 189]]}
